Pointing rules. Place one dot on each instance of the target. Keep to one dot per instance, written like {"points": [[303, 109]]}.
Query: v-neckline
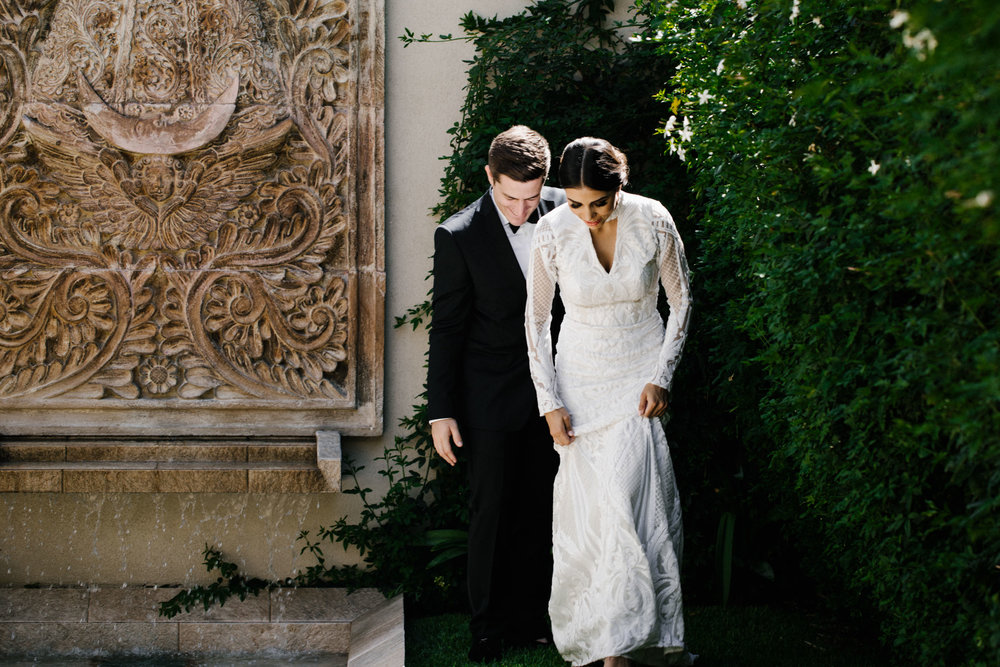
{"points": [[614, 250]]}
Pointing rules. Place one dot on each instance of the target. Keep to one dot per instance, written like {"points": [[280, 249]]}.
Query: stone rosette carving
{"points": [[189, 196]]}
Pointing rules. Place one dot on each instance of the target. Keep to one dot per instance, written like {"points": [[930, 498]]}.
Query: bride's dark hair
{"points": [[592, 163]]}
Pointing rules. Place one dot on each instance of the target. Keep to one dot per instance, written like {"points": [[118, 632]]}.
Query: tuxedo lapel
{"points": [[504, 264]]}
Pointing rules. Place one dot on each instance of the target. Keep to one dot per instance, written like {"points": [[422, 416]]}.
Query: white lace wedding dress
{"points": [[617, 536]]}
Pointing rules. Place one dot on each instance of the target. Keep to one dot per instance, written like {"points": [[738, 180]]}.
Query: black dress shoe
{"points": [[485, 650]]}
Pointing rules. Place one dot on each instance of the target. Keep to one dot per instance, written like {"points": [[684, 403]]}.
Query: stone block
{"points": [[257, 638], [118, 478], [286, 453], [254, 609], [276, 479], [82, 480], [31, 451], [377, 637], [202, 480], [55, 639], [43, 604], [30, 480], [155, 452], [328, 458], [322, 604], [108, 605]]}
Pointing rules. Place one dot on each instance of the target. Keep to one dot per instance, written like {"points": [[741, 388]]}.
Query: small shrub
{"points": [[230, 583]]}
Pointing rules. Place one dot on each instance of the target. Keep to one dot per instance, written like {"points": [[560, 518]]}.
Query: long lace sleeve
{"points": [[541, 287], [674, 278]]}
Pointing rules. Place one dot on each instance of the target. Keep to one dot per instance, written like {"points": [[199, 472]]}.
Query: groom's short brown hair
{"points": [[519, 153]]}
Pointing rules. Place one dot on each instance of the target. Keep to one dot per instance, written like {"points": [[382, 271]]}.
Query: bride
{"points": [[617, 535]]}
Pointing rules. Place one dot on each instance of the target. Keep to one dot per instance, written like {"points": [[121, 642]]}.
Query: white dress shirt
{"points": [[520, 242]]}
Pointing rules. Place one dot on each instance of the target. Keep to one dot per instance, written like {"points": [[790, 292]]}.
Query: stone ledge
{"points": [[377, 636], [109, 465], [360, 629]]}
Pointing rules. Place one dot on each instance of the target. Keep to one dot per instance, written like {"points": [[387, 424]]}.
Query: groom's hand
{"points": [[560, 426], [444, 431]]}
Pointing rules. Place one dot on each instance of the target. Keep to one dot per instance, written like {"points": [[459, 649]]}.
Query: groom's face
{"points": [[516, 200]]}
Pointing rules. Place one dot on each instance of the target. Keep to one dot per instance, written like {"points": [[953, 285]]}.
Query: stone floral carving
{"points": [[176, 215]]}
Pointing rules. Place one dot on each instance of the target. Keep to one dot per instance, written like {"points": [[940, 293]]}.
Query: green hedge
{"points": [[846, 157]]}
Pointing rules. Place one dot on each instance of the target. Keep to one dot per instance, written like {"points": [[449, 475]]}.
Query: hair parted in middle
{"points": [[592, 163], [519, 153]]}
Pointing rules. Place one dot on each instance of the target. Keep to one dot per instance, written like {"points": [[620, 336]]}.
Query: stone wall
{"points": [[156, 537]]}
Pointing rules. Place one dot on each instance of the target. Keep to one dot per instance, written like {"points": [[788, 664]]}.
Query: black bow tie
{"points": [[532, 219]]}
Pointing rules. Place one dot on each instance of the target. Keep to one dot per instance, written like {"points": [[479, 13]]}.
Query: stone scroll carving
{"points": [[190, 196]]}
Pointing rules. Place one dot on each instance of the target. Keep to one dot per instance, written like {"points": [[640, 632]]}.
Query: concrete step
{"points": [[360, 629]]}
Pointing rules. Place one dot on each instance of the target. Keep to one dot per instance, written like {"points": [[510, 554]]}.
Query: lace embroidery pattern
{"points": [[617, 538]]}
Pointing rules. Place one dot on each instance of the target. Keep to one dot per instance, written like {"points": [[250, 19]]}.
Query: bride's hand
{"points": [[560, 426], [653, 401]]}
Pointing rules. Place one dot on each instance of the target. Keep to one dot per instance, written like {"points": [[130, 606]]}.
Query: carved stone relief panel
{"points": [[191, 216]]}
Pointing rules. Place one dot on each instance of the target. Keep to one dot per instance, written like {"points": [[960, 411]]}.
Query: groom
{"points": [[480, 398]]}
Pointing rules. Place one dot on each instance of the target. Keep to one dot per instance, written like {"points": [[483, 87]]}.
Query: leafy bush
{"points": [[845, 159]]}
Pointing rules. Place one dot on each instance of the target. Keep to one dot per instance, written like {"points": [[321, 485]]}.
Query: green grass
{"points": [[722, 637]]}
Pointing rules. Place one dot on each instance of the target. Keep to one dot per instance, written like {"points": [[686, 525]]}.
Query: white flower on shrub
{"points": [[685, 133], [742, 4], [795, 11], [923, 42], [669, 127], [718, 69], [704, 96], [983, 199], [676, 149], [874, 167]]}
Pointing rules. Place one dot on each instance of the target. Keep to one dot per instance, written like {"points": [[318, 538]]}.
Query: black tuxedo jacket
{"points": [[478, 360]]}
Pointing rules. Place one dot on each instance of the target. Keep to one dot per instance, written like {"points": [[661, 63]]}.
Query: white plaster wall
{"points": [[424, 94], [157, 538]]}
